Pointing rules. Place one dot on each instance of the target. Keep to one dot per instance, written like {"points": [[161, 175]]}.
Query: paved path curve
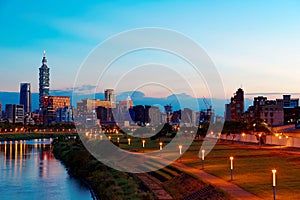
{"points": [[235, 191]]}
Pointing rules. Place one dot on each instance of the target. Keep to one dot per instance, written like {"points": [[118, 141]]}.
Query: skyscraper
{"points": [[109, 95], [44, 81], [25, 97]]}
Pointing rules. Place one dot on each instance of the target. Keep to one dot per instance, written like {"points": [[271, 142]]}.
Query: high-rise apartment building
{"points": [[44, 81], [64, 115], [235, 109], [14, 113], [188, 117], [25, 97]]}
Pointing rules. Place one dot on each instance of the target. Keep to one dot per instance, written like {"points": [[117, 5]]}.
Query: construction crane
{"points": [[209, 110], [206, 103]]}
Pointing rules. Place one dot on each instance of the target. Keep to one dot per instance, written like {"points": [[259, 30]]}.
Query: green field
{"points": [[252, 168], [252, 165]]}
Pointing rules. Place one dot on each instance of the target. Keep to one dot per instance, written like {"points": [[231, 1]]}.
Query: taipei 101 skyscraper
{"points": [[44, 81]]}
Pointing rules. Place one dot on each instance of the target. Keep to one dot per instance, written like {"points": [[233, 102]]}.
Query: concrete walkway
{"points": [[232, 189]]}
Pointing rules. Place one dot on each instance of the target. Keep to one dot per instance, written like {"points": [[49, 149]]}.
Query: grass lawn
{"points": [[252, 165], [252, 168]]}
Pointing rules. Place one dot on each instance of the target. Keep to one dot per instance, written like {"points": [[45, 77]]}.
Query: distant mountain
{"points": [[177, 101], [14, 98]]}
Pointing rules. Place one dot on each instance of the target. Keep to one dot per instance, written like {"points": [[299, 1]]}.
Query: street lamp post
{"points": [[202, 157], [180, 148], [160, 145], [280, 144], [231, 168], [243, 136], [129, 143], [274, 183], [143, 142], [180, 152]]}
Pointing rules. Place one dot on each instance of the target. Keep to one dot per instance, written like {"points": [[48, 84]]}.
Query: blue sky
{"points": [[254, 43]]}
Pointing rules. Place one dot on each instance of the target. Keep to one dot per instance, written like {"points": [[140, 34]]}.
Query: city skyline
{"points": [[180, 101], [254, 50]]}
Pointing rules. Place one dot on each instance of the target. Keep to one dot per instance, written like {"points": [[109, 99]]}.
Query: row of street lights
{"points": [[273, 172], [231, 158]]}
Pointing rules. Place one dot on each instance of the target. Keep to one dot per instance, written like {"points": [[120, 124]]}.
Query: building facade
{"points": [[168, 112], [14, 113], [51, 104], [188, 117], [267, 110], [88, 106], [86, 111], [105, 115], [155, 116], [272, 115], [25, 97], [109, 95], [64, 115], [227, 112], [288, 102], [0, 111], [44, 81], [235, 109]]}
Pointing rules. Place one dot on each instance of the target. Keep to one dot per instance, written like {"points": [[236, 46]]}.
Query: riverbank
{"points": [[29, 171], [107, 183], [29, 136], [166, 183]]}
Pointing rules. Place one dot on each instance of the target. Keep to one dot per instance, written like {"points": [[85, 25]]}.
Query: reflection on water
{"points": [[28, 170]]}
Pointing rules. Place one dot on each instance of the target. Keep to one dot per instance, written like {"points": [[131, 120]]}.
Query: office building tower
{"points": [[25, 97], [44, 81], [109, 95]]}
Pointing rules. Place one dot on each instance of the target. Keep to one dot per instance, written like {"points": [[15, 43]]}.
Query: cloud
{"points": [[84, 89]]}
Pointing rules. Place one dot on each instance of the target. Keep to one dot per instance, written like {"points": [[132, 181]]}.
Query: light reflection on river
{"points": [[28, 170]]}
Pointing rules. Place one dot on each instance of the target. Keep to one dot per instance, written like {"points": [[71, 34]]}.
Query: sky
{"points": [[253, 44]]}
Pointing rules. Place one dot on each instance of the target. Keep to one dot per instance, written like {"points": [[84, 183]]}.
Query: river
{"points": [[28, 170]]}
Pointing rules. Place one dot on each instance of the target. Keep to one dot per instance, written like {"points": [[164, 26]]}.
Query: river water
{"points": [[28, 170]]}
